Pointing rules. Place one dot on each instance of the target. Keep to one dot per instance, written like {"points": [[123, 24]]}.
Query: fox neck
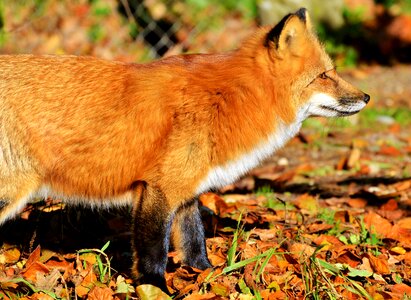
{"points": [[224, 174]]}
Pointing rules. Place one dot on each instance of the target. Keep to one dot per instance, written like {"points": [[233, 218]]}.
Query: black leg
{"points": [[188, 235], [152, 225]]}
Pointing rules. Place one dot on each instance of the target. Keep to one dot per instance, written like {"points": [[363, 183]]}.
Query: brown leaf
{"points": [[214, 202], [401, 289], [346, 254], [300, 250], [32, 271], [390, 205], [307, 202], [265, 234], [216, 259], [206, 296], [324, 239], [82, 291], [357, 202], [400, 234], [34, 256], [389, 151], [405, 223], [277, 295], [88, 282], [353, 158], [377, 224], [379, 264], [40, 296], [402, 185], [10, 256], [100, 293]]}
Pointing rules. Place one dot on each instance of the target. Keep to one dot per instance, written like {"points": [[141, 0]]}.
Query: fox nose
{"points": [[366, 98]]}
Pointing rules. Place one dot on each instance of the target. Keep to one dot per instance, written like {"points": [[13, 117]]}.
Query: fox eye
{"points": [[323, 75]]}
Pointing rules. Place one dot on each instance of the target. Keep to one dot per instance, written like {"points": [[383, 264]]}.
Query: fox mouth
{"points": [[340, 112]]}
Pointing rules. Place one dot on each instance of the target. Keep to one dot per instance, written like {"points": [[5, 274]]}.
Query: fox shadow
{"points": [[71, 229]]}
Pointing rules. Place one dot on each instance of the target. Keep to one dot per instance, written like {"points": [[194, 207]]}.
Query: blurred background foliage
{"points": [[353, 31]]}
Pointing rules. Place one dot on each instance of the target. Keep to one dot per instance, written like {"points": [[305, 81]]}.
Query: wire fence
{"points": [[122, 29], [164, 25], [159, 34]]}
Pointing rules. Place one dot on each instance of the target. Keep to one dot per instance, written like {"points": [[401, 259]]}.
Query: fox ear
{"points": [[290, 31]]}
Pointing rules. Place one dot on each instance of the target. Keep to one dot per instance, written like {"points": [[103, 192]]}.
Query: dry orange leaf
{"points": [[324, 239], [34, 256], [400, 234], [401, 289], [267, 294], [307, 202], [353, 158], [10, 256], [62, 265], [301, 250], [40, 296], [82, 291], [34, 268], [100, 293], [402, 185], [357, 203], [213, 202], [216, 259], [377, 224], [405, 223], [196, 296], [389, 151], [379, 264], [390, 205]]}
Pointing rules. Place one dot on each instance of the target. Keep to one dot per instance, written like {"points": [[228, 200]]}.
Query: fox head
{"points": [[295, 55]]}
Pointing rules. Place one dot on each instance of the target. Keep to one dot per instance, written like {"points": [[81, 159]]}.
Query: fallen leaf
{"points": [[220, 289], [390, 205], [34, 256], [300, 250], [151, 292], [401, 289], [307, 202], [40, 296], [405, 223], [10, 256], [214, 202], [379, 264], [353, 158], [398, 250], [357, 202], [377, 224], [201, 297], [400, 234], [389, 151], [100, 293], [33, 269]]}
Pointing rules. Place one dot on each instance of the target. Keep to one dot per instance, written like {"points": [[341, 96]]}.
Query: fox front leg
{"points": [[188, 236], [152, 225]]}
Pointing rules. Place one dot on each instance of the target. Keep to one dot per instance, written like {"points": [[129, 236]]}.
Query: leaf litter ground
{"points": [[327, 217]]}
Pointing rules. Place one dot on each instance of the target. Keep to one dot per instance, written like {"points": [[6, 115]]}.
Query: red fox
{"points": [[157, 135]]}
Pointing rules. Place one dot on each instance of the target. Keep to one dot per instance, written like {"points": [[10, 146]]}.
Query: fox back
{"points": [[157, 135]]}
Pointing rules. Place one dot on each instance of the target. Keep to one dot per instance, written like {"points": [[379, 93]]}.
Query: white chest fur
{"points": [[222, 175]]}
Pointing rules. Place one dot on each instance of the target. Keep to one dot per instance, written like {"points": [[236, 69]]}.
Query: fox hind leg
{"points": [[188, 236]]}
